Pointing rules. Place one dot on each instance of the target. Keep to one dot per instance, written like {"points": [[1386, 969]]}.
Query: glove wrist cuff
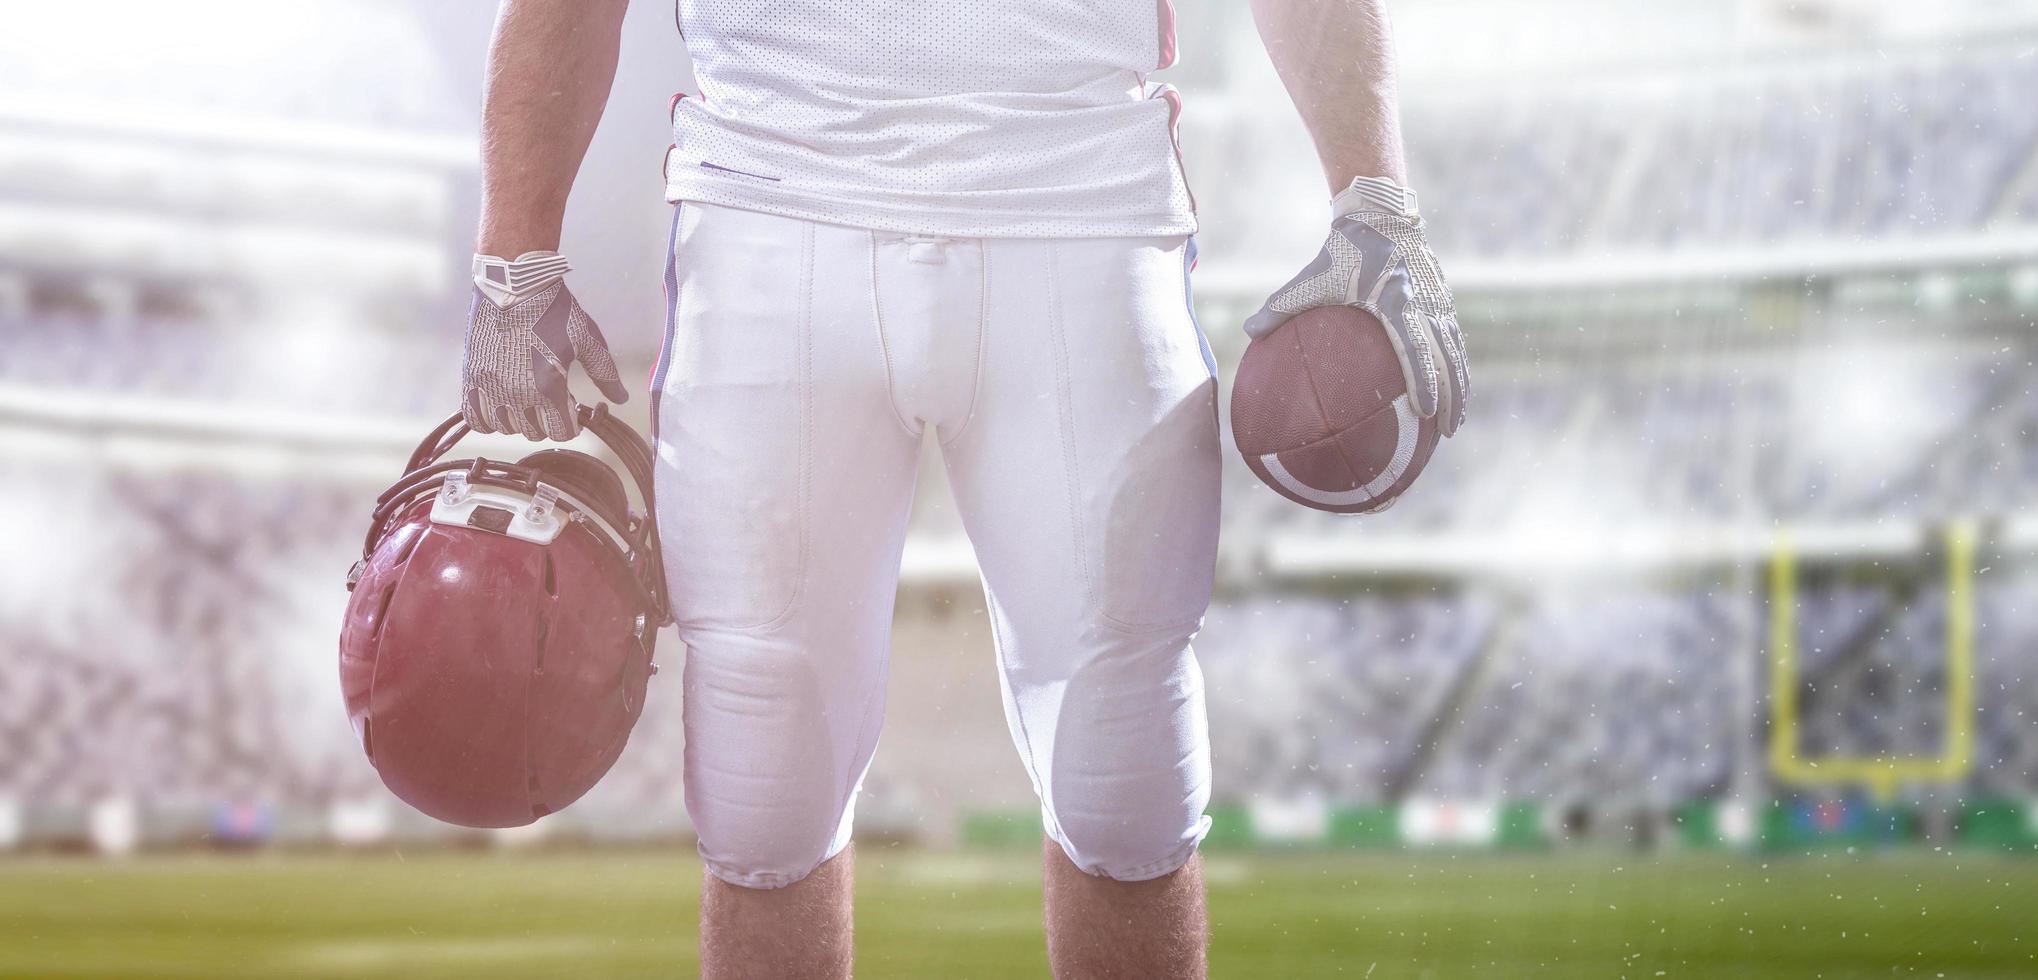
{"points": [[1374, 194], [507, 280]]}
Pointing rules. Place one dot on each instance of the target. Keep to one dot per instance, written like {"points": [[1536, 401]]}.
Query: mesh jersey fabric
{"points": [[965, 118]]}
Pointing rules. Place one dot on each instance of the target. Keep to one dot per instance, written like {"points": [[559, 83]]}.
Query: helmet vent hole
{"points": [[382, 608], [537, 791], [551, 577], [410, 545]]}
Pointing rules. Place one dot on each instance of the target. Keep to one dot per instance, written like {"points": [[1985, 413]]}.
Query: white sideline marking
{"points": [[366, 954]]}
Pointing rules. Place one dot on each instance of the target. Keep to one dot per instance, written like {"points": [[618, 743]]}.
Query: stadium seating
{"points": [[197, 668]]}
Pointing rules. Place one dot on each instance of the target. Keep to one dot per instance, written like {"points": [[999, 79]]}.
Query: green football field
{"points": [[630, 914]]}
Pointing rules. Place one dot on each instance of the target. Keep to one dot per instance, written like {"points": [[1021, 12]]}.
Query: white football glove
{"points": [[1377, 260], [524, 331]]}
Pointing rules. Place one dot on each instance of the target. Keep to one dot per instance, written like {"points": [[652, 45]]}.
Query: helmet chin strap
{"points": [[426, 474]]}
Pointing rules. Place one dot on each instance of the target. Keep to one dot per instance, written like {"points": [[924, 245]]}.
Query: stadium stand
{"points": [[188, 672]]}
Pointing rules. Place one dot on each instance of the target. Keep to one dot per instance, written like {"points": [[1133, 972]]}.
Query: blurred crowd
{"points": [[168, 622]]}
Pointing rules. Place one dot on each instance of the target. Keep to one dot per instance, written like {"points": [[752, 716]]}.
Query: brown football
{"points": [[1321, 413]]}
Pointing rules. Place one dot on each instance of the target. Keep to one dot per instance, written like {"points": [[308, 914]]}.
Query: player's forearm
{"points": [[1336, 59], [550, 65]]}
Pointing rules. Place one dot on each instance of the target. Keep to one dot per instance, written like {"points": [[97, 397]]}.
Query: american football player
{"points": [[966, 218]]}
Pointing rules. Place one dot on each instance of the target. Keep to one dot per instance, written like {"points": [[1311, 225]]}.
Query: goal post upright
{"points": [[1881, 775]]}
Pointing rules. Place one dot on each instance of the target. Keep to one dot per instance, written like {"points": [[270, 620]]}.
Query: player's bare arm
{"points": [[550, 66], [1335, 58], [1357, 446]]}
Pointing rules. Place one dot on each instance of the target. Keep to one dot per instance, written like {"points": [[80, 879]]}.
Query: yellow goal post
{"points": [[1882, 775]]}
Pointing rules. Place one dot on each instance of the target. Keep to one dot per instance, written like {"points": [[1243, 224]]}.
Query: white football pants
{"points": [[1075, 405]]}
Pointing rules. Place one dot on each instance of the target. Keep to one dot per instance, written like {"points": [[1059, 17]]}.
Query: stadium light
{"points": [[310, 339], [1938, 292], [1575, 510], [1865, 408], [2024, 285], [114, 824], [57, 546], [201, 55], [359, 822]]}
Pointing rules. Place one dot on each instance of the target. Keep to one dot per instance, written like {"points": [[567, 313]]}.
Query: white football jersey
{"points": [[965, 118]]}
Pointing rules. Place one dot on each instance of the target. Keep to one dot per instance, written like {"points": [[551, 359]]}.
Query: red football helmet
{"points": [[500, 632]]}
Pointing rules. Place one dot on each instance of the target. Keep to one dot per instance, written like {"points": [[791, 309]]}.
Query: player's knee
{"points": [[766, 782], [1128, 773], [1128, 846], [1130, 769], [769, 848], [765, 819]]}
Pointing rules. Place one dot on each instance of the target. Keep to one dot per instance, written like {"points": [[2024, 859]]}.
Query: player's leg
{"points": [[783, 490], [802, 931], [1101, 928], [1087, 477]]}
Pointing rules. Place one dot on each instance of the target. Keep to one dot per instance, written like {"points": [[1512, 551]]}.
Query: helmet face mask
{"points": [[499, 637]]}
